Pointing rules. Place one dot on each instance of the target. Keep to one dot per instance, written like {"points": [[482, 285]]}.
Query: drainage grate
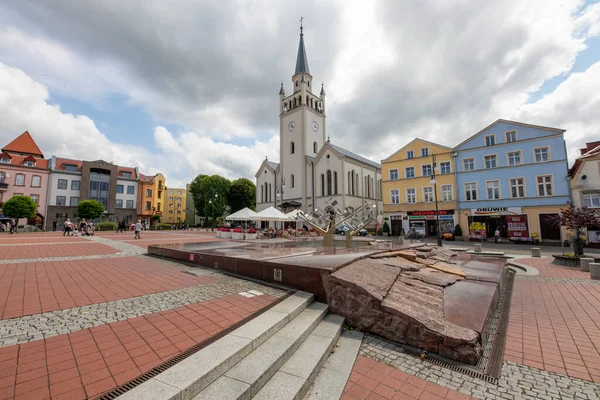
{"points": [[497, 354], [194, 349]]}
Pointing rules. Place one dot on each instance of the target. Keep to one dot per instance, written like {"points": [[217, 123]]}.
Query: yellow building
{"points": [[175, 201], [409, 192], [151, 197]]}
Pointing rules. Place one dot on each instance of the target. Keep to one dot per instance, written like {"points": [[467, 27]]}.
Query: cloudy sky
{"points": [[190, 87]]}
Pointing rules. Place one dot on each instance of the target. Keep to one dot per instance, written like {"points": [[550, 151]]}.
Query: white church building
{"points": [[313, 170]]}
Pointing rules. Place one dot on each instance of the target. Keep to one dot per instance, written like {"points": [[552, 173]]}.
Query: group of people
{"points": [[85, 228], [9, 226]]}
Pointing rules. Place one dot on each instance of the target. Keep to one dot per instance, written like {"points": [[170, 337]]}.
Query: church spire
{"points": [[301, 60]]}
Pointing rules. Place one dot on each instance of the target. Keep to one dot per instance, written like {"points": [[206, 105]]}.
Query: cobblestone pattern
{"points": [[39, 326], [517, 382], [558, 280]]}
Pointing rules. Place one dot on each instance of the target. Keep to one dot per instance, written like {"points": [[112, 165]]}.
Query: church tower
{"points": [[302, 130]]}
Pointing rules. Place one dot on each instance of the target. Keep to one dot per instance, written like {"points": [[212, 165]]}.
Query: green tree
{"points": [[210, 195], [155, 218], [19, 207], [242, 193], [89, 209]]}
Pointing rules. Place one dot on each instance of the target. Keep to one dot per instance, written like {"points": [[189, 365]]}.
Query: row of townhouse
{"points": [[510, 176], [57, 185]]}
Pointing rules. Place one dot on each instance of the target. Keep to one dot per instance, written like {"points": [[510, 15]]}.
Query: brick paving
{"points": [[33, 288], [372, 380], [90, 362], [37, 250], [548, 270]]}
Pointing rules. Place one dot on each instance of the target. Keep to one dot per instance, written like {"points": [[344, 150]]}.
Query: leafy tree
{"points": [[576, 220], [19, 207], [242, 193], [210, 195], [154, 218], [89, 209]]}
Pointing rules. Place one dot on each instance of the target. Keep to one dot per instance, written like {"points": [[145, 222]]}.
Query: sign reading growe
{"points": [[483, 211]]}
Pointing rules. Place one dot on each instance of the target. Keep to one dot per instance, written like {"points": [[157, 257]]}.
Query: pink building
{"points": [[24, 171]]}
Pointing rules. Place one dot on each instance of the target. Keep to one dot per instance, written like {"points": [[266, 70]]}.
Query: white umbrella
{"points": [[271, 214], [244, 214]]}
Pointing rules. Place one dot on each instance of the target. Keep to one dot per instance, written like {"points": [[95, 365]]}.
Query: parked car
{"points": [[363, 232], [341, 230]]}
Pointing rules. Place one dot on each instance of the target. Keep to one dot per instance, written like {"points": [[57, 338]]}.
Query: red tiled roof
{"points": [[146, 178], [24, 144], [591, 149], [5, 155], [128, 169], [19, 161], [61, 162]]}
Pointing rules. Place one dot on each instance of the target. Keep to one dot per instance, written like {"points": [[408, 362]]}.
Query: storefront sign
{"points": [[431, 212], [489, 211], [429, 215], [516, 226]]}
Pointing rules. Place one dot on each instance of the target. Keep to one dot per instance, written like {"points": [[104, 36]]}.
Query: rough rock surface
{"points": [[403, 301]]}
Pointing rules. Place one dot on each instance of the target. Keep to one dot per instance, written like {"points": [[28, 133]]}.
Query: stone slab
{"points": [[468, 303], [330, 326], [294, 304], [225, 388], [262, 327], [152, 390], [281, 387], [304, 322], [374, 280], [485, 269], [256, 369]]}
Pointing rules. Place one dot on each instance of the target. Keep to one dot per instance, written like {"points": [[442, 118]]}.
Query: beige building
{"points": [[585, 185], [175, 208]]}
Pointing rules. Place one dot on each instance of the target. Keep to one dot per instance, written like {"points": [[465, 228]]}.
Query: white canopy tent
{"points": [[271, 214], [244, 214]]}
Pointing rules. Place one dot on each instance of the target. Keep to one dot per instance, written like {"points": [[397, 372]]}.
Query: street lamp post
{"points": [[437, 211], [212, 209]]}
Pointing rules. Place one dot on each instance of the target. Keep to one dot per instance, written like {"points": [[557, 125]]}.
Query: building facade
{"points": [[175, 209], [585, 185], [72, 181], [191, 216], [313, 172], [25, 172], [409, 191], [512, 176], [151, 197]]}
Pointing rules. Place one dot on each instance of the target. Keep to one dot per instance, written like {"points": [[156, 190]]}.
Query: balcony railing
{"points": [[3, 186]]}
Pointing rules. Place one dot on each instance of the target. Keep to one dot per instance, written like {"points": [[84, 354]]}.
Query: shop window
{"points": [[395, 196], [544, 185], [428, 194], [393, 174], [411, 195], [517, 187], [471, 191], [447, 193], [493, 190], [469, 164]]}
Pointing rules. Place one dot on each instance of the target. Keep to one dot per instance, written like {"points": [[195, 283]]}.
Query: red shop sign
{"points": [[517, 226]]}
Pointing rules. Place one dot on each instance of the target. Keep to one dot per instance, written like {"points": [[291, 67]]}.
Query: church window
{"points": [[292, 180], [353, 184], [335, 183], [329, 182], [292, 149], [262, 193], [349, 183], [322, 184], [296, 83], [357, 183], [270, 193], [306, 99]]}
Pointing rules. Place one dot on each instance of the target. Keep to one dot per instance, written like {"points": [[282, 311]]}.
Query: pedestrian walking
{"points": [[67, 227], [137, 229], [497, 236]]}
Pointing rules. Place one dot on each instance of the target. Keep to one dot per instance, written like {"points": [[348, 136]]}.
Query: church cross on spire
{"points": [[301, 60]]}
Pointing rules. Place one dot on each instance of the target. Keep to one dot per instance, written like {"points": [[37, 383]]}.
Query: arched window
{"points": [[292, 148], [36, 181], [270, 192], [335, 185], [353, 184], [357, 183], [262, 193], [19, 180], [322, 185], [306, 99], [292, 183], [329, 182], [349, 183], [315, 150]]}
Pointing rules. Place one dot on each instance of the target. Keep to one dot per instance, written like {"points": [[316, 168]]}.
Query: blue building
{"points": [[511, 176]]}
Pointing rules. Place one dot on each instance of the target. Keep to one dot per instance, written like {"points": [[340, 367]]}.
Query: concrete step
{"points": [[249, 375], [189, 377], [331, 380], [294, 378]]}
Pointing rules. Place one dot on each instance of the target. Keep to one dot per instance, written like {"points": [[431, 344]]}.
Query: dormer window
{"points": [[126, 174], [29, 164], [70, 167], [4, 160]]}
